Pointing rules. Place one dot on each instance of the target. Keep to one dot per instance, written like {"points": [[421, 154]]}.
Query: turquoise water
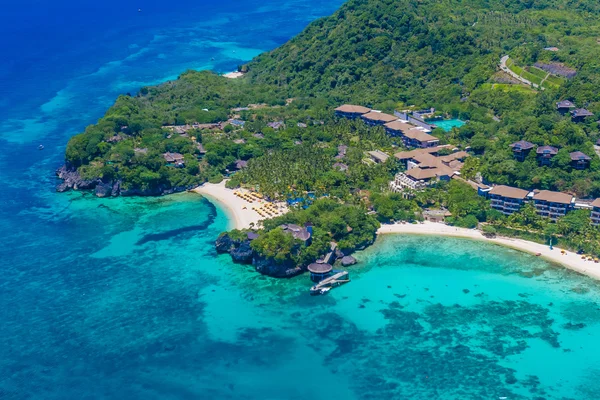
{"points": [[126, 298], [448, 124]]}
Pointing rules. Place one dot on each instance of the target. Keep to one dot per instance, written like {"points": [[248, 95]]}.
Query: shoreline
{"points": [[233, 75], [242, 214], [569, 260]]}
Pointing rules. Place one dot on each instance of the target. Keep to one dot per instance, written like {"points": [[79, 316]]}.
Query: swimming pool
{"points": [[448, 124]]}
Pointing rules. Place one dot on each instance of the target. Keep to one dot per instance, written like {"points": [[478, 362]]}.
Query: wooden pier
{"points": [[326, 284]]}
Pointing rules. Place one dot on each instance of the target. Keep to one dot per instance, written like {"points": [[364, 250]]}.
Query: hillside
{"points": [[381, 53]]}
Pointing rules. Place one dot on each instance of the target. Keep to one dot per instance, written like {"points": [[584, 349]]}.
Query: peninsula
{"points": [[474, 114]]}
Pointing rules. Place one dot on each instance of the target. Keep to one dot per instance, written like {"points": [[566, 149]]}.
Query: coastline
{"points": [[568, 260], [242, 214], [233, 75]]}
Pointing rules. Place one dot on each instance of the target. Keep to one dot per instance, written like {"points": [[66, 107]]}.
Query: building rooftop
{"points": [[428, 173], [459, 155], [379, 117], [565, 104], [510, 192], [419, 135], [405, 155], [522, 145], [579, 156], [352, 109], [399, 126], [173, 157], [547, 150], [553, 197], [239, 164], [581, 112], [317, 268], [426, 160], [340, 166], [596, 203], [378, 155]]}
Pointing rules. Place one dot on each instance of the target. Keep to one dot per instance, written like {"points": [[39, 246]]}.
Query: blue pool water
{"points": [[126, 298], [448, 124]]}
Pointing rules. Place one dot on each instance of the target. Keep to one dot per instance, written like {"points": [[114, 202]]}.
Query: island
{"points": [[479, 115]]}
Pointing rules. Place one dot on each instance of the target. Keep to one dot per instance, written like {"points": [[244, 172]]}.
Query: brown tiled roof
{"points": [[547, 150], [553, 197], [380, 155], [596, 203], [418, 173], [510, 192], [419, 135], [578, 156], [426, 160], [581, 112], [459, 155], [405, 155], [399, 126], [379, 116], [523, 145], [352, 109]]}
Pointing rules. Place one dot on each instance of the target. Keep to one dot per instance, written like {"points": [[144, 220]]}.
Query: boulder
{"points": [[224, 243], [104, 189], [348, 260], [243, 253], [277, 270]]}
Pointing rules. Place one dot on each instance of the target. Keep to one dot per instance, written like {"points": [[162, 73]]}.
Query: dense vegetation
{"points": [[385, 54], [347, 225]]}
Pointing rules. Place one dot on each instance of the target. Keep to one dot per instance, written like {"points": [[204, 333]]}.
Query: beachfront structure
{"points": [[551, 204], [545, 154], [507, 199], [376, 118], [174, 158], [378, 156], [564, 106], [351, 111], [580, 114], [319, 271], [303, 234], [595, 216], [580, 160], [521, 149]]}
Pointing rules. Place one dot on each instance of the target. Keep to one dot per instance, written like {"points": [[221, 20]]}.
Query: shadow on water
{"points": [[154, 237]]}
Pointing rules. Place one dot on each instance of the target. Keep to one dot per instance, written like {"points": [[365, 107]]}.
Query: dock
{"points": [[337, 279]]}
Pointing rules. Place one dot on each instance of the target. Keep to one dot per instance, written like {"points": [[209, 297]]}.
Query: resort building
{"points": [[351, 111], [397, 128], [521, 149], [405, 156], [319, 271], [378, 156], [580, 114], [595, 216], [412, 136], [419, 178], [552, 205], [564, 106], [580, 160], [375, 118], [303, 234], [545, 154], [340, 167], [507, 199], [174, 158]]}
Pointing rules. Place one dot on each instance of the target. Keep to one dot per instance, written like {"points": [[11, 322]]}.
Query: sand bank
{"points": [[233, 75], [242, 212], [570, 260]]}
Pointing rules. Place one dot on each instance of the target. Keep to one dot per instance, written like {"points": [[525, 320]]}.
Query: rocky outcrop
{"points": [[242, 253], [71, 180], [275, 269], [348, 260]]}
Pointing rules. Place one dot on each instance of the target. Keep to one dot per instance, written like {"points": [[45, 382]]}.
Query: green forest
{"points": [[387, 55]]}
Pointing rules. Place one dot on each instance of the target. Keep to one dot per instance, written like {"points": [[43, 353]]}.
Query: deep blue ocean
{"points": [[126, 298]]}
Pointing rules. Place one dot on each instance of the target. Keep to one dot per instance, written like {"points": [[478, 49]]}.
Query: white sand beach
{"points": [[570, 260], [233, 75], [243, 212]]}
